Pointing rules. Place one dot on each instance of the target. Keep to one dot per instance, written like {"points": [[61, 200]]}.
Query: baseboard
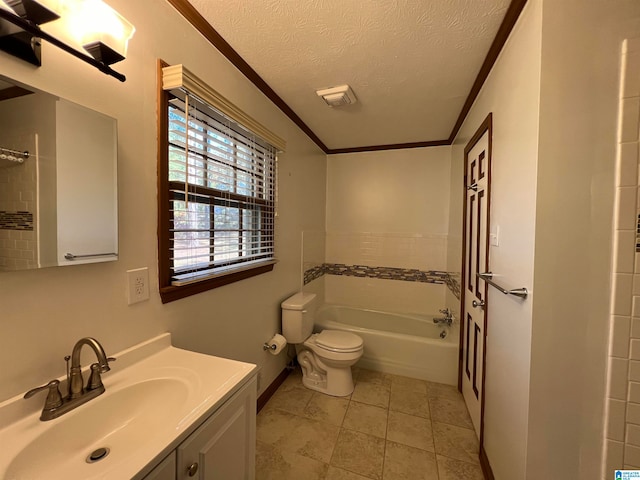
{"points": [[484, 463], [271, 389]]}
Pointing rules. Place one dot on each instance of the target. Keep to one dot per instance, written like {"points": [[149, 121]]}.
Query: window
{"points": [[218, 192]]}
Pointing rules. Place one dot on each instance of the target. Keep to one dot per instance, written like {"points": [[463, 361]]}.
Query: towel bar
{"points": [[71, 256], [518, 292]]}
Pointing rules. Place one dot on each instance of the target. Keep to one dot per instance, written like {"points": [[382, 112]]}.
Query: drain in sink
{"points": [[98, 454]]}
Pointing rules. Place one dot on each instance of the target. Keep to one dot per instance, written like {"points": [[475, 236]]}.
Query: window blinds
{"points": [[222, 192]]}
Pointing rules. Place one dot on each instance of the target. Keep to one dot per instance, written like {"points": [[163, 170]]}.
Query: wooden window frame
{"points": [[169, 292]]}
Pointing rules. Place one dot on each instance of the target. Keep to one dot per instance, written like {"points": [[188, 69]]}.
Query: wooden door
{"points": [[476, 260]]}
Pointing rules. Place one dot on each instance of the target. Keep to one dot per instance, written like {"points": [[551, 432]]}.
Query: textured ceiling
{"points": [[410, 63]]}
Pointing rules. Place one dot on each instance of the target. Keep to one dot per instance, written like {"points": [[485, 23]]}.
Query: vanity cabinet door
{"points": [[223, 447], [165, 470]]}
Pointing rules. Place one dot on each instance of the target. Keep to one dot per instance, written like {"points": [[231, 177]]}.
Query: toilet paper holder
{"points": [[275, 345]]}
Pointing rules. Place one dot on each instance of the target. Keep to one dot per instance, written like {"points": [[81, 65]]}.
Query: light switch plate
{"points": [[494, 236]]}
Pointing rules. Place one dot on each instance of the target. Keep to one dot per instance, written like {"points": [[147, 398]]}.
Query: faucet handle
{"points": [[95, 381], [54, 398]]}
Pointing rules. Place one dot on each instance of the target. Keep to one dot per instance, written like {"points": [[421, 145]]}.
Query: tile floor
{"points": [[390, 428]]}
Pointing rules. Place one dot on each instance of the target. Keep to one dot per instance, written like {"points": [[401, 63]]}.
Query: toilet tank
{"points": [[297, 317]]}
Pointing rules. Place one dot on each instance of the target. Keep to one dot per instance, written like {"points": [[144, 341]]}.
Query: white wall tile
{"points": [[629, 124], [633, 413], [624, 251], [614, 455], [634, 371], [387, 295], [631, 79], [416, 251], [622, 287], [635, 306], [637, 266], [635, 328], [632, 455], [620, 333], [616, 420], [636, 284], [626, 208], [634, 392], [633, 435], [627, 166], [618, 378]]}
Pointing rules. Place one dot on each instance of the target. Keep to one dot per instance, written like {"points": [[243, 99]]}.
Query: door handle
{"points": [[477, 304]]}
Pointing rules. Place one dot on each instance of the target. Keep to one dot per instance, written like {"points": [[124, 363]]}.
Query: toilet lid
{"points": [[339, 341]]}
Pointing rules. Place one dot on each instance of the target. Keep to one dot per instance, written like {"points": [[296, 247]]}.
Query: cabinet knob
{"points": [[193, 469]]}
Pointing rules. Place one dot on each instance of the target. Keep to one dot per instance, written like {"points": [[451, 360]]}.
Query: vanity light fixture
{"points": [[92, 24], [103, 32]]}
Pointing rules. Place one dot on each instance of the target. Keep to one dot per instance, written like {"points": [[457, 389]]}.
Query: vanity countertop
{"points": [[156, 395]]}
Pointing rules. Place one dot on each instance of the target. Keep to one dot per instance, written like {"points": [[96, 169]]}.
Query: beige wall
{"points": [[44, 312], [388, 209], [581, 45], [511, 93], [380, 191], [553, 93]]}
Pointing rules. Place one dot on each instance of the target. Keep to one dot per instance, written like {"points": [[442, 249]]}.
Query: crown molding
{"points": [[201, 25]]}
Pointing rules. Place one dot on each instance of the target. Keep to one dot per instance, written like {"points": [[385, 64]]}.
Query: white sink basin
{"points": [[148, 408]]}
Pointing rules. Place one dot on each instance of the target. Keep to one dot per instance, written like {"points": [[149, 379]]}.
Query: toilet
{"points": [[326, 357]]}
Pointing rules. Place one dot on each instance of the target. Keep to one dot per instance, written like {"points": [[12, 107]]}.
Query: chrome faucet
{"points": [[55, 405], [446, 320]]}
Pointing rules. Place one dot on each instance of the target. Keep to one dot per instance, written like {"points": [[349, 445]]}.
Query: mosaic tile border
{"points": [[313, 273], [451, 280], [385, 273], [453, 283], [16, 220]]}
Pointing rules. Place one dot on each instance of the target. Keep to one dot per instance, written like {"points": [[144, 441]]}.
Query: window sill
{"points": [[171, 293]]}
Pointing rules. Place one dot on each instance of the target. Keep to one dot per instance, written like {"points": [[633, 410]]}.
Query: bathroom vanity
{"points": [[167, 413], [223, 446]]}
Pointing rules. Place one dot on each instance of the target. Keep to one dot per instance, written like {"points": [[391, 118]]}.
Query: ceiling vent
{"points": [[338, 96]]}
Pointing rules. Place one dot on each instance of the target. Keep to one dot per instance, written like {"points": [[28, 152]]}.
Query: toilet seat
{"points": [[338, 341]]}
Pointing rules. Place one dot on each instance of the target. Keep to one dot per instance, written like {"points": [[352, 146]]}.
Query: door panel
{"points": [[476, 261]]}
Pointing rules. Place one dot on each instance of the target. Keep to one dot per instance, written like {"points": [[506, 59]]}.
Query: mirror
{"points": [[58, 181]]}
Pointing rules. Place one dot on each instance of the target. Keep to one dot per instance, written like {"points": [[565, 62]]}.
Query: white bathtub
{"points": [[401, 344]]}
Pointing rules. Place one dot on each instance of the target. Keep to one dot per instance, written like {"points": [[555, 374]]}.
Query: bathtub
{"points": [[397, 343]]}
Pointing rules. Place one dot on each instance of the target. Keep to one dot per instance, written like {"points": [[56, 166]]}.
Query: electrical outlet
{"points": [[138, 281]]}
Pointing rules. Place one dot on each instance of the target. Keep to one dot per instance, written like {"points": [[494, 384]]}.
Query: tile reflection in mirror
{"points": [[58, 181]]}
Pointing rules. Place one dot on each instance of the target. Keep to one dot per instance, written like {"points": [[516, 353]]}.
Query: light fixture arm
{"points": [[37, 32]]}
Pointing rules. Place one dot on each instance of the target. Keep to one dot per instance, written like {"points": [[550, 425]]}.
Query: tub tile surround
{"points": [[386, 256], [368, 435], [622, 444]]}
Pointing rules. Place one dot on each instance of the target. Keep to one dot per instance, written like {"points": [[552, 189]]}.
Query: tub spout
{"points": [[446, 320]]}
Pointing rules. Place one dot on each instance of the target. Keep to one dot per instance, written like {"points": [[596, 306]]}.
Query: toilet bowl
{"points": [[325, 357]]}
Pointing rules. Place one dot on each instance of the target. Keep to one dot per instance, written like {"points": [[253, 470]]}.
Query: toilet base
{"points": [[337, 382]]}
